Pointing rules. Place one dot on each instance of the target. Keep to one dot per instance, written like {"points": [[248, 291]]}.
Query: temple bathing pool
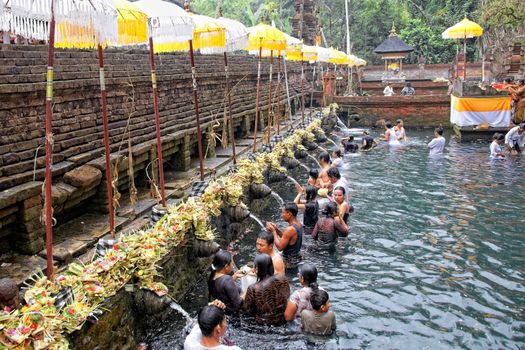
{"points": [[435, 258]]}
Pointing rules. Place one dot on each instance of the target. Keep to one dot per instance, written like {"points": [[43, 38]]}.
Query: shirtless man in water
{"points": [[289, 240], [324, 162], [264, 244]]}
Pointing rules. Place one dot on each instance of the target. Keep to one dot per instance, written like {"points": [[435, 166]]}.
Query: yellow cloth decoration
{"points": [[266, 37], [464, 29], [132, 23]]}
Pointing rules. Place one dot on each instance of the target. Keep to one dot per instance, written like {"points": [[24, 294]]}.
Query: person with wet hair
{"points": [[320, 320], [221, 284], [515, 139], [310, 206], [390, 135], [349, 145], [289, 240], [368, 141], [337, 160], [300, 299], [313, 176], [210, 328], [400, 130], [408, 90], [264, 244], [343, 207], [324, 162], [329, 227], [266, 299], [336, 180], [437, 145], [495, 147]]}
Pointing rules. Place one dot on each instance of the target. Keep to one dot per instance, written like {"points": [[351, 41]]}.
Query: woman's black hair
{"points": [[311, 192], [330, 209], [388, 125], [318, 298], [333, 172], [501, 137], [324, 156], [314, 173], [522, 81], [350, 138], [220, 260], [408, 85], [439, 131], [495, 136], [264, 266], [399, 121], [309, 273], [209, 317], [337, 152], [340, 188], [508, 80]]}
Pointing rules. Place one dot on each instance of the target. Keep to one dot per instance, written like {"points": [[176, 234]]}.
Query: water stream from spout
{"points": [[322, 148], [332, 141], [175, 306], [257, 220], [315, 160], [296, 183], [304, 166], [276, 196], [341, 124]]}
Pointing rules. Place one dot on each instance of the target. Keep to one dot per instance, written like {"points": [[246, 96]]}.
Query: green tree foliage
{"points": [[419, 22]]}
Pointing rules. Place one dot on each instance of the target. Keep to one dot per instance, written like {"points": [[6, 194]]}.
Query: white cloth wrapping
{"points": [[167, 22], [237, 37], [475, 111], [30, 18]]}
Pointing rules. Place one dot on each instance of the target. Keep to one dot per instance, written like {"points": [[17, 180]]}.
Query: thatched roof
{"points": [[393, 44]]}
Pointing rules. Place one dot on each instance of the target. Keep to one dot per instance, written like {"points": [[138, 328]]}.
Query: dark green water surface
{"points": [[435, 258]]}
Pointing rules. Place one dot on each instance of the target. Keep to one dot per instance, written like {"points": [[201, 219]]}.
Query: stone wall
{"points": [[78, 170], [421, 71]]}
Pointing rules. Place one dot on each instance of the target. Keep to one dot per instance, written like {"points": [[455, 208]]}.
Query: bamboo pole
{"points": [[228, 94], [302, 90], [49, 145], [278, 93], [196, 105], [257, 100], [109, 179], [270, 110], [157, 120]]}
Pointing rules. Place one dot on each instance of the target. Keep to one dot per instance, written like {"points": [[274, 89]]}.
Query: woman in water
{"points": [[310, 208], [300, 299], [337, 161], [266, 299], [496, 151], [343, 207], [390, 135], [329, 227], [221, 285], [209, 330]]}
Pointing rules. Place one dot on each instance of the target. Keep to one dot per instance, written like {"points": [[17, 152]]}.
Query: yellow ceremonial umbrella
{"points": [[463, 30], [303, 53], [338, 57], [132, 23], [263, 36]]}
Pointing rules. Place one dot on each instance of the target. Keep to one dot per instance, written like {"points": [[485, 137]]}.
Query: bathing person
{"points": [[266, 299], [313, 176], [495, 147], [337, 161], [349, 145], [300, 299], [290, 240], [515, 139], [368, 141], [320, 320], [310, 207], [338, 181], [400, 130], [324, 162], [221, 284], [517, 94], [390, 134], [437, 145], [264, 244], [408, 90], [388, 90], [209, 330], [329, 227], [343, 207]]}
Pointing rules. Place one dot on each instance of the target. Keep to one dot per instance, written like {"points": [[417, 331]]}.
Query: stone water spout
{"points": [[258, 221]]}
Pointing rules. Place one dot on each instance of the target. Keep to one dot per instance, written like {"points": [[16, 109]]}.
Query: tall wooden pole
{"points": [[196, 105], [157, 120], [257, 100], [302, 90], [270, 110], [109, 179], [49, 144], [278, 93], [228, 94]]}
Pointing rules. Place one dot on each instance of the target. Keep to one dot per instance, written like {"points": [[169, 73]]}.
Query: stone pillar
{"points": [[30, 236], [183, 157]]}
